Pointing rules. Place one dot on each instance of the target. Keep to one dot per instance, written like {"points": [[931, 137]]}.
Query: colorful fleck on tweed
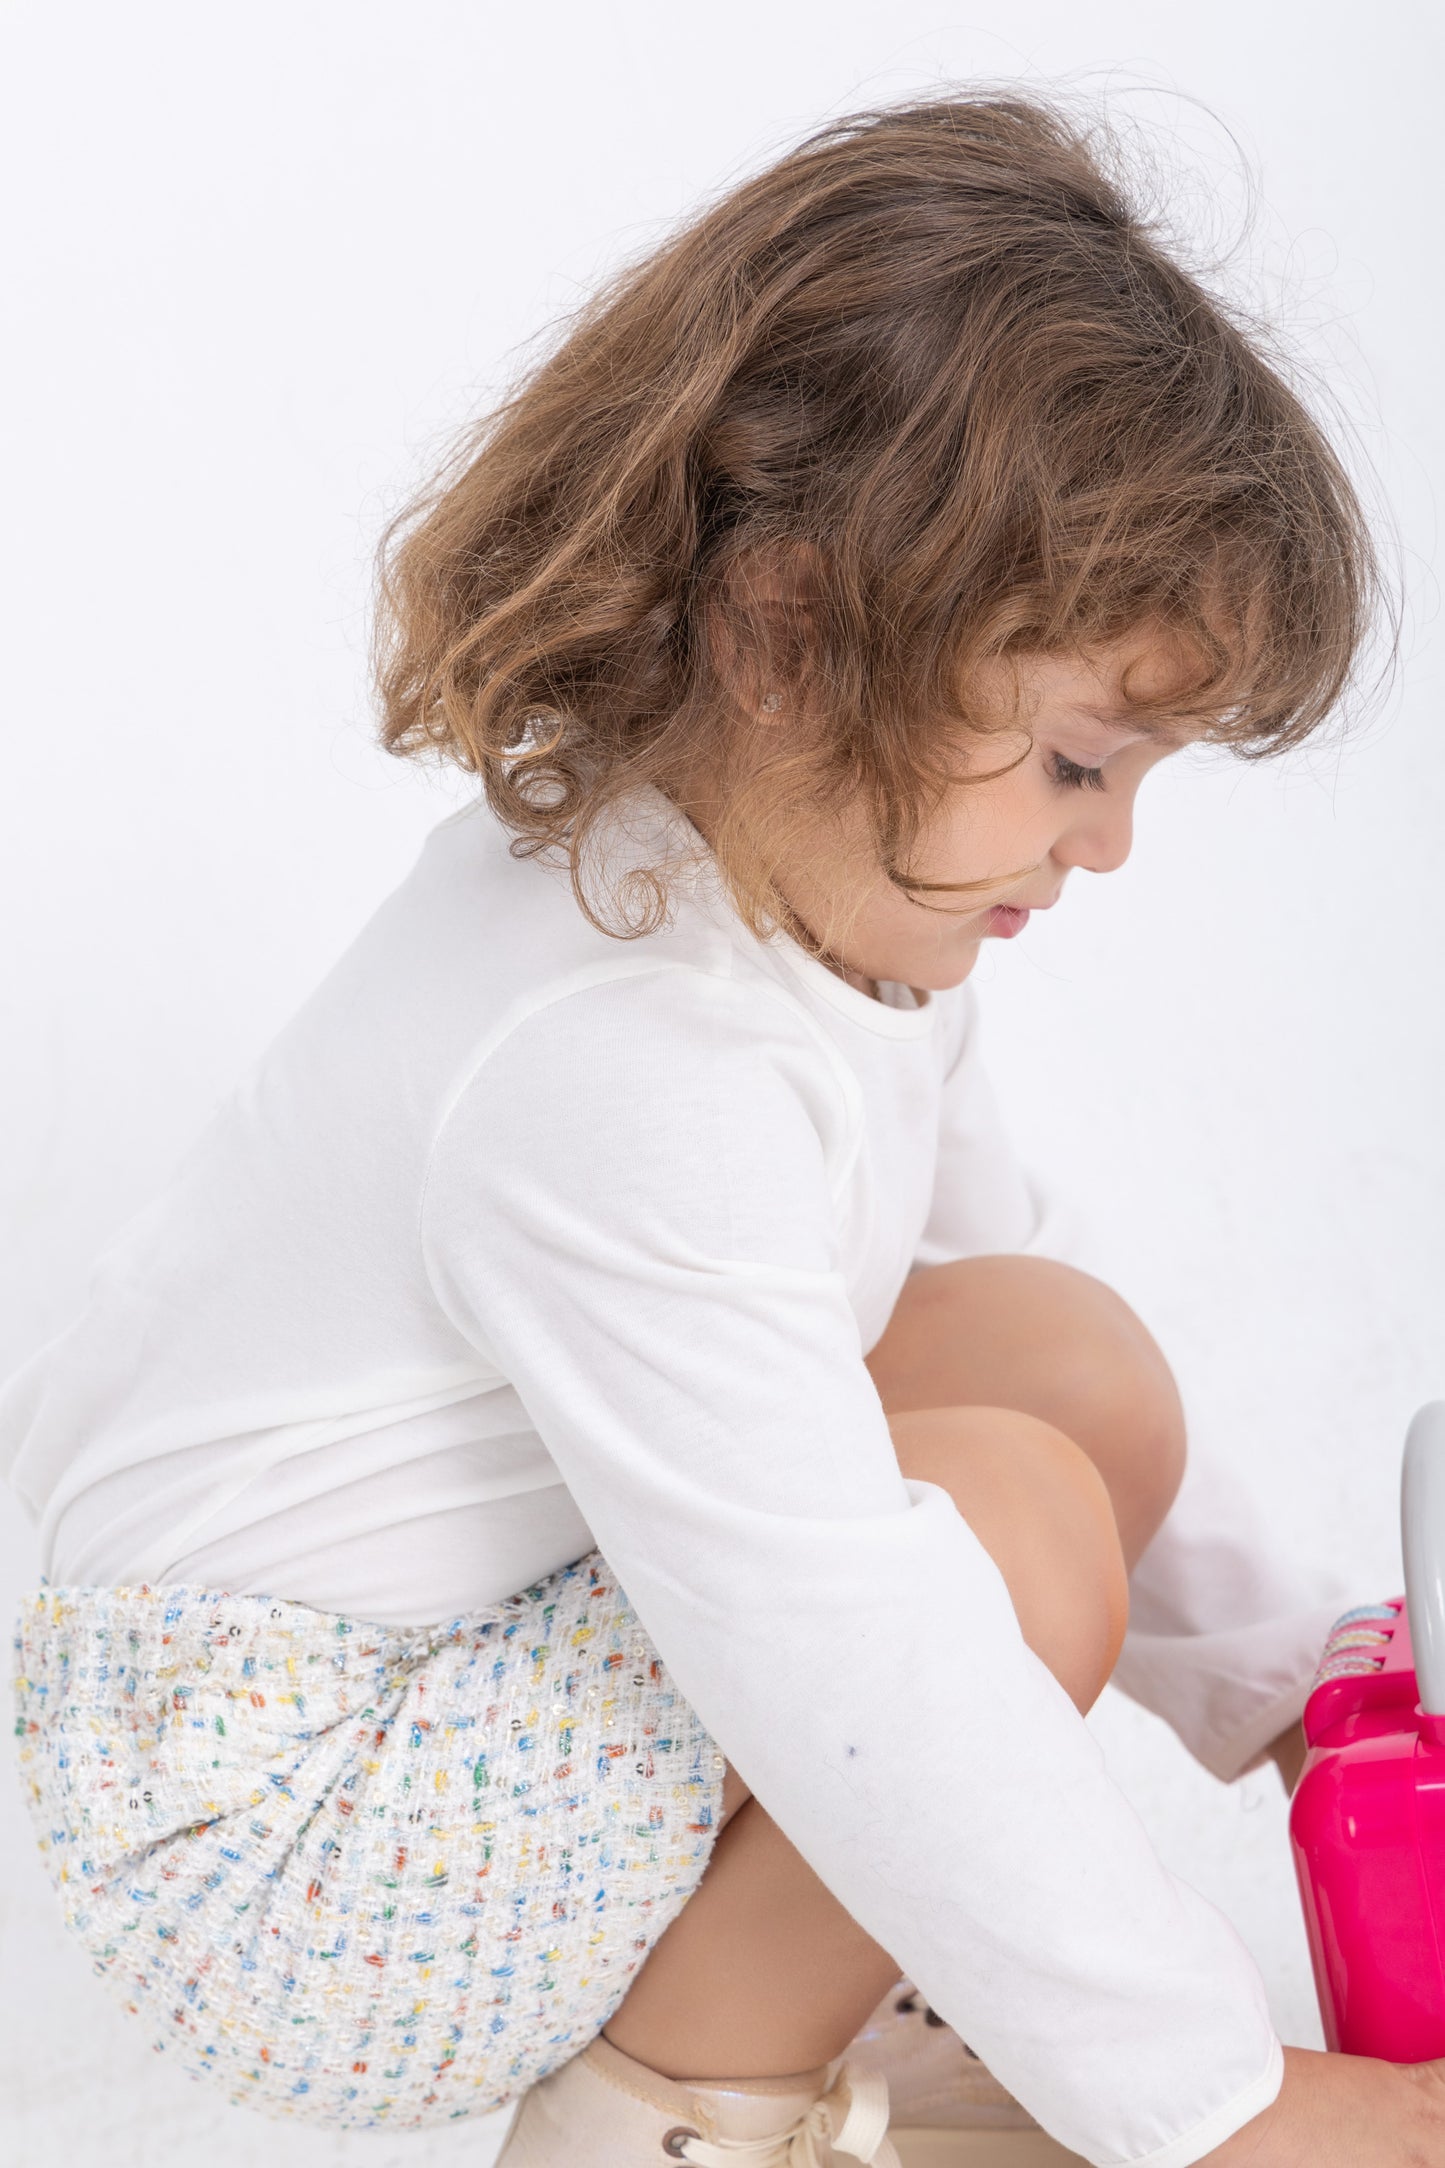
{"points": [[362, 1874]]}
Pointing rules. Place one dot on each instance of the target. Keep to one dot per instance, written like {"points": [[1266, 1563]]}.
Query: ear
{"points": [[783, 579], [765, 622]]}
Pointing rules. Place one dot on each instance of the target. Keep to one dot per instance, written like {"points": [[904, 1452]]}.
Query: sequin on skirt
{"points": [[364, 1875]]}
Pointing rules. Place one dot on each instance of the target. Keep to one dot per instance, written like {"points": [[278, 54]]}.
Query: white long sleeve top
{"points": [[522, 1238]]}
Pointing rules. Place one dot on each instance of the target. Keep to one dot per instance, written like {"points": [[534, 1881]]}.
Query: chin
{"points": [[938, 981]]}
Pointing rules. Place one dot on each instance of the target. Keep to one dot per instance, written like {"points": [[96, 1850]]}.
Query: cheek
{"points": [[999, 831]]}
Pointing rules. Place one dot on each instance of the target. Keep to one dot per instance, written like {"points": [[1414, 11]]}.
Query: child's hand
{"points": [[1344, 2111]]}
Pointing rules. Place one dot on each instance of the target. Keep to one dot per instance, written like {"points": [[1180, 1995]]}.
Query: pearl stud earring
{"points": [[771, 703]]}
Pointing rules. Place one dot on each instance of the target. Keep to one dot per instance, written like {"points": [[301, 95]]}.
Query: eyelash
{"points": [[1070, 776]]}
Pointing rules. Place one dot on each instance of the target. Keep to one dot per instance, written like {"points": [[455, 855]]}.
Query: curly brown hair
{"points": [[936, 353]]}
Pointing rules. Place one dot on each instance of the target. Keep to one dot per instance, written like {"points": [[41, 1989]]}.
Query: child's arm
{"points": [[1226, 1622], [631, 1211]]}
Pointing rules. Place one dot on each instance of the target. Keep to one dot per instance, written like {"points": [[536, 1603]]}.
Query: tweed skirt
{"points": [[368, 1876]]}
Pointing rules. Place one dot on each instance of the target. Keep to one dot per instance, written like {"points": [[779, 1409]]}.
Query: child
{"points": [[604, 1377]]}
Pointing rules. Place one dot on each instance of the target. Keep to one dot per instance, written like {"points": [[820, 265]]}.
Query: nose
{"points": [[1101, 835]]}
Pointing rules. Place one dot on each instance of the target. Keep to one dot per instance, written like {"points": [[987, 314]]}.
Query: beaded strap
{"points": [[1357, 1642]]}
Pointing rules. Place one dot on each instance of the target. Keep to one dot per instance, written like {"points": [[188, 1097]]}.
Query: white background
{"points": [[260, 262]]}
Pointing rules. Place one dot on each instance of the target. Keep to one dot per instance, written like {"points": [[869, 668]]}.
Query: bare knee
{"points": [[1126, 1412], [1041, 1509], [1032, 1333]]}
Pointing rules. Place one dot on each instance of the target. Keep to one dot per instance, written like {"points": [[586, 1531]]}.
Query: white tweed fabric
{"points": [[364, 1875]]}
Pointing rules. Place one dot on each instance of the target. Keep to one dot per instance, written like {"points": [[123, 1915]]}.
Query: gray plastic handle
{"points": [[1422, 1540]]}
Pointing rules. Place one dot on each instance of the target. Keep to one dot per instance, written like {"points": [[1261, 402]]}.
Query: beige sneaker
{"points": [[947, 2108], [604, 2110]]}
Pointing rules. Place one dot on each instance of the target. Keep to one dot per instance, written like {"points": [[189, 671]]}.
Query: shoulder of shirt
{"points": [[709, 983], [712, 976], [785, 1043]]}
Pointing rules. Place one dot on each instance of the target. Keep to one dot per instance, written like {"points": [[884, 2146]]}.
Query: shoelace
{"points": [[862, 2133]]}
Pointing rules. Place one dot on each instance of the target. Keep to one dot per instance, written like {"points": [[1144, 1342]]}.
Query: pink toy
{"points": [[1367, 1821]]}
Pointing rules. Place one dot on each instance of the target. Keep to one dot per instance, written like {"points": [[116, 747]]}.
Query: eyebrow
{"points": [[1162, 730]]}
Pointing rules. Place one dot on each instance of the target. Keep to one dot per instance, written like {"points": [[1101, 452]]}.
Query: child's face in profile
{"points": [[1069, 803]]}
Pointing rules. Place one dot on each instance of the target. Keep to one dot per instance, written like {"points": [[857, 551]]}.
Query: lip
{"points": [[1006, 920]]}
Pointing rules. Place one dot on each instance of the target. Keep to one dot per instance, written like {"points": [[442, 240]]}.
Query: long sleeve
{"points": [[1226, 1623], [630, 1210]]}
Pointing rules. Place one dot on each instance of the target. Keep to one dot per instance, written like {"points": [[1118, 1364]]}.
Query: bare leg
{"points": [[1034, 1395]]}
